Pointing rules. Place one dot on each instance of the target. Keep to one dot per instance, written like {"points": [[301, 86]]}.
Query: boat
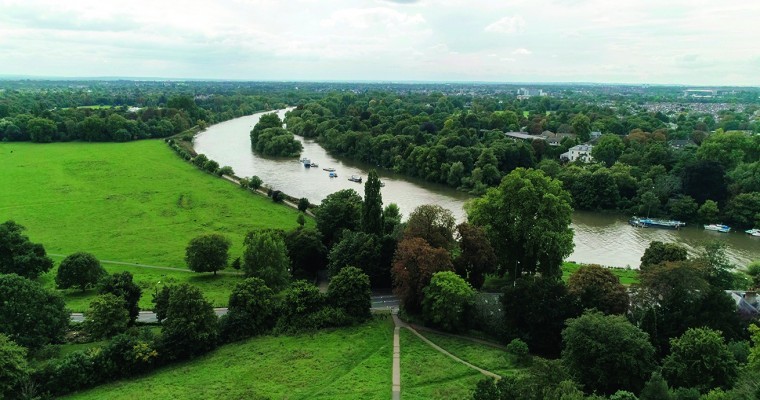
{"points": [[313, 165], [753, 232], [328, 169], [656, 223], [718, 228], [333, 174], [382, 184], [355, 178], [306, 162]]}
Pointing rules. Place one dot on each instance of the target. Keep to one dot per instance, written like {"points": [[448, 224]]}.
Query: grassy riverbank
{"points": [[133, 202], [350, 363]]}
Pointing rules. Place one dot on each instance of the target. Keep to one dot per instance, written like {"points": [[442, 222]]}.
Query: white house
{"points": [[580, 152]]}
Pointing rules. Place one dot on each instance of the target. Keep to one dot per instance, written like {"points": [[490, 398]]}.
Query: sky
{"points": [[692, 42]]}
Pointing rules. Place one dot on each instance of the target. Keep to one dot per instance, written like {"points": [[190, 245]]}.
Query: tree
{"points": [[266, 257], [607, 353], [476, 257], [338, 211], [705, 180], [255, 182], [106, 316], [656, 388], [659, 252], [744, 210], [432, 223], [527, 220], [708, 211], [682, 207], [80, 270], [122, 285], [701, 359], [445, 300], [32, 316], [391, 218], [372, 209], [357, 249], [190, 327], [535, 310], [207, 253], [13, 366], [225, 170], [597, 287], [350, 291], [414, 264], [582, 127], [18, 255], [251, 310], [717, 266], [303, 204], [306, 252], [608, 149], [41, 130], [211, 166]]}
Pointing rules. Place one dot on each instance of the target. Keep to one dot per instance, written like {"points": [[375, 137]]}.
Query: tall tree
{"points": [[266, 257], [338, 211], [527, 219], [208, 253], [191, 327], [361, 250], [414, 264], [700, 358], [476, 257], [306, 252], [18, 255], [597, 287], [31, 315], [607, 353], [372, 209], [122, 285], [432, 223]]}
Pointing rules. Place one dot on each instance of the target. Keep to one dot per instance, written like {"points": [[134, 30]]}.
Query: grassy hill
{"points": [[132, 202], [350, 363]]}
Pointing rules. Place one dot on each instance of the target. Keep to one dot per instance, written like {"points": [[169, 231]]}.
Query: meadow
{"points": [[134, 202]]}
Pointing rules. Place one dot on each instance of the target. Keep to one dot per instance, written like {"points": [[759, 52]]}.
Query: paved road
{"points": [[379, 302]]}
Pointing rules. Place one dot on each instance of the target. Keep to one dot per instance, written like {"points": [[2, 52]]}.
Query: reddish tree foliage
{"points": [[414, 264]]}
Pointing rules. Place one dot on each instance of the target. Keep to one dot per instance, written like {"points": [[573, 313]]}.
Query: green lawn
{"points": [[132, 202], [351, 363], [627, 276], [428, 374], [483, 356]]}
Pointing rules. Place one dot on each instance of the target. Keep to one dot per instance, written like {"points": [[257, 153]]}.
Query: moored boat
{"points": [[718, 228], [306, 162], [313, 165], [355, 178], [753, 232], [656, 223], [328, 169], [333, 174]]}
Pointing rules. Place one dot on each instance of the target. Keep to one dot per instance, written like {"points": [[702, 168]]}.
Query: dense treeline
{"points": [[638, 168]]}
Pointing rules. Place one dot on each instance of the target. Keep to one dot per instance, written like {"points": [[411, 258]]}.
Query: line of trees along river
{"points": [[600, 238]]}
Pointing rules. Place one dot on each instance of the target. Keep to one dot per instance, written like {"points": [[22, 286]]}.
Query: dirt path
{"points": [[264, 193], [152, 266]]}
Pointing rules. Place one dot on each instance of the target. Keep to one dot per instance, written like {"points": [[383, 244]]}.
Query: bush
{"points": [[700, 359], [127, 354], [80, 270], [73, 372], [226, 170], [445, 300], [278, 196], [191, 326], [211, 166], [623, 395], [13, 366], [300, 301], [255, 182], [200, 160], [122, 285], [303, 204], [251, 310], [106, 316], [349, 291], [518, 352]]}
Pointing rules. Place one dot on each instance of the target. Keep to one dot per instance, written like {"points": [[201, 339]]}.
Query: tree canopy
{"points": [[266, 257], [207, 253], [81, 270], [18, 255], [527, 219], [338, 211], [32, 316]]}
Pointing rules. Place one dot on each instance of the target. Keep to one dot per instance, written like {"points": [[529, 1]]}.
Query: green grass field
{"points": [[483, 356], [133, 202], [350, 363], [627, 276], [428, 374]]}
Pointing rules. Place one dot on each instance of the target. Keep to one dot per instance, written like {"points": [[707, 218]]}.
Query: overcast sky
{"points": [[709, 42]]}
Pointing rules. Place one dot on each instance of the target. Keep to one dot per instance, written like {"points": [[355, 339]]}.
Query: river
{"points": [[605, 239]]}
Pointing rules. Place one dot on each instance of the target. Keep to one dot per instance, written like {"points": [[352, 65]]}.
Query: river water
{"points": [[605, 239]]}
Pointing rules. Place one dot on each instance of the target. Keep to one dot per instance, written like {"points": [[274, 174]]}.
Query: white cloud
{"points": [[521, 52], [507, 25]]}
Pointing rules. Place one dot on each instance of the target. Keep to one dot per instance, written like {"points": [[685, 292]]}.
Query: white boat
{"points": [[753, 232], [718, 228], [329, 169], [355, 178]]}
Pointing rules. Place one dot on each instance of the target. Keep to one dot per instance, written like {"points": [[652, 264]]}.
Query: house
{"points": [[580, 152], [747, 303], [681, 144]]}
